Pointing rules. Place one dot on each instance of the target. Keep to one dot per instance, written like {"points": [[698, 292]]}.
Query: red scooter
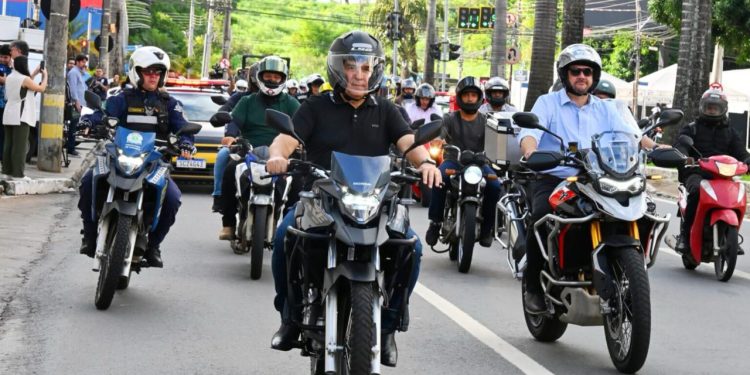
{"points": [[714, 234]]}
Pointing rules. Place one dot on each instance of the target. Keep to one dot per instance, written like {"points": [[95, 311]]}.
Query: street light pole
{"points": [[191, 31], [394, 38], [207, 41], [444, 45]]}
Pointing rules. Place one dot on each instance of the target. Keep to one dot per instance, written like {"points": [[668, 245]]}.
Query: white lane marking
{"points": [[737, 272], [516, 357], [675, 203]]}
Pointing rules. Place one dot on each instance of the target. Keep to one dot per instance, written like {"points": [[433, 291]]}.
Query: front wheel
{"points": [[112, 261], [725, 261], [358, 329], [628, 327], [467, 237], [260, 217]]}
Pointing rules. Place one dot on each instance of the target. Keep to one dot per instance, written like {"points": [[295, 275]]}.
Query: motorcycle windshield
{"points": [[617, 151], [134, 143], [360, 174]]}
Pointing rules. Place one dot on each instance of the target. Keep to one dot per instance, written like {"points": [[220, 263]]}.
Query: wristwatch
{"points": [[428, 160]]}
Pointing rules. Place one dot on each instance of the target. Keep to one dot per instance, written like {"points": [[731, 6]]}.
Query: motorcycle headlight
{"points": [[633, 186], [360, 207], [725, 169], [473, 175], [258, 171], [130, 164]]}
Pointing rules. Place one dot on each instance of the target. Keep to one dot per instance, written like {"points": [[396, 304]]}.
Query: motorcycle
{"points": [[462, 208], [348, 255], [602, 235], [130, 178], [435, 149], [648, 125], [714, 234]]}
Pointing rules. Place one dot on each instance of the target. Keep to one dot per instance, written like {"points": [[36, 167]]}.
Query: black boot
{"points": [[88, 248], [682, 246], [485, 237], [285, 338], [433, 233], [388, 350], [153, 257], [533, 296]]}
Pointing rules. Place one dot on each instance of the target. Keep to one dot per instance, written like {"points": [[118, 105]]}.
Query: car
{"points": [[199, 100]]}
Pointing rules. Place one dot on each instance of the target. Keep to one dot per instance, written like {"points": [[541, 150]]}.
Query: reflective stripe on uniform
{"points": [[139, 119]]}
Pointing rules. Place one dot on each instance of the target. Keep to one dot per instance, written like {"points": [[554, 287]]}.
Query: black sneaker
{"points": [[485, 239], [153, 257], [285, 338], [433, 233], [87, 248]]}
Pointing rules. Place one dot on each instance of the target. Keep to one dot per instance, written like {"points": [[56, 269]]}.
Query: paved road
{"points": [[203, 315]]}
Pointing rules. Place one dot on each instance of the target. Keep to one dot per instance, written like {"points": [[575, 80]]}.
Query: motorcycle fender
{"points": [[261, 200], [122, 207], [158, 177], [603, 281], [359, 236], [125, 183], [468, 199], [726, 215], [352, 271]]}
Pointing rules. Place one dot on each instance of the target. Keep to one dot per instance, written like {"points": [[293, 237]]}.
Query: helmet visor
{"points": [[357, 74]]}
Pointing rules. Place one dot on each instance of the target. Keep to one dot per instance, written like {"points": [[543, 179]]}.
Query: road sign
{"points": [[511, 19], [512, 55], [224, 63], [521, 75]]}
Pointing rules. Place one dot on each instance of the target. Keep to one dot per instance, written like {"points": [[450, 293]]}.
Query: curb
{"points": [[49, 185]]}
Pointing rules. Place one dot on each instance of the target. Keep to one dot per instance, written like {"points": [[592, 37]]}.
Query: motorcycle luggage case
{"points": [[501, 140]]}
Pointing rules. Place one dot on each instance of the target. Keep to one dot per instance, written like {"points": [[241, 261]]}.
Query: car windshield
{"points": [[613, 151], [198, 106]]}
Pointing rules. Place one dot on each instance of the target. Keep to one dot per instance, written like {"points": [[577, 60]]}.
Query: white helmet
{"points": [[272, 64], [303, 86], [292, 84], [145, 57], [241, 85]]}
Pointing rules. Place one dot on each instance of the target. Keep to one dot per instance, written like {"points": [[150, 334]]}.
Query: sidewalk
{"points": [[41, 182]]}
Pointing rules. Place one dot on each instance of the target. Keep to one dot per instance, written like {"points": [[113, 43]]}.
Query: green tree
{"points": [[618, 55], [414, 12]]}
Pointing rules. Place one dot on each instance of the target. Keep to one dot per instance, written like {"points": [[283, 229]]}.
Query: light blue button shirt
{"points": [[563, 117]]}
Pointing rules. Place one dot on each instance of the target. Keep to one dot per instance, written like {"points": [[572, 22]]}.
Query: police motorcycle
{"points": [[344, 254], [603, 233], [256, 197], [135, 172], [459, 229]]}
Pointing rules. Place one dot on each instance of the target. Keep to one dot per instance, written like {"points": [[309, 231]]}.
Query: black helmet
{"points": [[496, 84], [605, 87], [715, 98], [425, 90], [578, 54], [354, 50], [468, 84]]}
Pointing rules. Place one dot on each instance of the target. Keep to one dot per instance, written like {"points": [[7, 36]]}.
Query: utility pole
{"points": [[499, 37], [460, 58], [637, 51], [395, 37], [191, 31], [115, 59], [207, 41], [104, 36], [445, 44], [227, 31], [53, 99], [88, 35], [429, 61]]}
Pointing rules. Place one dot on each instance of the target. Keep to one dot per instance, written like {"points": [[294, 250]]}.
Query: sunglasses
{"points": [[151, 72], [576, 71]]}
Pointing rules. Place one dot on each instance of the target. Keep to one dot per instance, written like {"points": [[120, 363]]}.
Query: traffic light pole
{"points": [[104, 37], [394, 38], [53, 99], [445, 44]]}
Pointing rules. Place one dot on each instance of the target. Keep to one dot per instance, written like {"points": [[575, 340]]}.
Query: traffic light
{"points": [[487, 17], [389, 26], [463, 18], [453, 51], [394, 28], [435, 51], [473, 18], [84, 43]]}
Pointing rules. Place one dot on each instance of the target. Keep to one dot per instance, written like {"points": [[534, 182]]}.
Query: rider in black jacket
{"points": [[711, 136]]}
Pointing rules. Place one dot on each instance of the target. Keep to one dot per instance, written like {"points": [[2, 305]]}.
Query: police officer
{"points": [[351, 120], [497, 92], [144, 106]]}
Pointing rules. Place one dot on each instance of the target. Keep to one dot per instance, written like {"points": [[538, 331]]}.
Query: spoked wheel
{"points": [[725, 261], [258, 241], [356, 330], [628, 328], [112, 261], [543, 327], [467, 237]]}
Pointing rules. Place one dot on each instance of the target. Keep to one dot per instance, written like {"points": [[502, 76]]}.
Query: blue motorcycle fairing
{"points": [[134, 143], [158, 178], [360, 174]]}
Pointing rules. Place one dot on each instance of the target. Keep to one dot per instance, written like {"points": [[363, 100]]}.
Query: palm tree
{"points": [[429, 62], [572, 28], [499, 35], [542, 50], [694, 61]]}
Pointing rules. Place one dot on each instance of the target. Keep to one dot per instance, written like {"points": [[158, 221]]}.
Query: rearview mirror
{"points": [[435, 117], [220, 119], [416, 124], [219, 99], [542, 160], [642, 123], [670, 117], [92, 100], [282, 123], [667, 158], [685, 140], [527, 120], [428, 132], [189, 129]]}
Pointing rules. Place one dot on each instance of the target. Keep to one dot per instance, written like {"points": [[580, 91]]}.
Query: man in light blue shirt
{"points": [[574, 115], [77, 86]]}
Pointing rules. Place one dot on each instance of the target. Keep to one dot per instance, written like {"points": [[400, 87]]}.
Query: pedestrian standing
{"points": [[77, 85], [19, 115], [4, 72], [100, 84]]}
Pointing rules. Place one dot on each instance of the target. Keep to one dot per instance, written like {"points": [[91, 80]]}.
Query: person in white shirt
{"points": [[497, 92], [424, 105]]}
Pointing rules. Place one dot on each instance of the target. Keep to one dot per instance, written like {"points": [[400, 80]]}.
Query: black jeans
{"points": [[541, 189], [692, 185]]}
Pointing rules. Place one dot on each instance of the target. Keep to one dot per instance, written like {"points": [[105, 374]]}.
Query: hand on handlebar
{"points": [[431, 175], [187, 150], [226, 141], [277, 165]]}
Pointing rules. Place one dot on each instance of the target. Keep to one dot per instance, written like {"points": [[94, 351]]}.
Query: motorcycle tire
{"points": [[450, 220], [358, 330], [124, 281], [726, 260], [260, 217], [113, 261], [467, 237], [544, 328], [426, 197], [631, 311]]}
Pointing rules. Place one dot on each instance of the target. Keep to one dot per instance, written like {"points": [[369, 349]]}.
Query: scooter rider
{"points": [[424, 105], [292, 87], [144, 106], [249, 115], [465, 129], [574, 115], [712, 136], [352, 120], [497, 92]]}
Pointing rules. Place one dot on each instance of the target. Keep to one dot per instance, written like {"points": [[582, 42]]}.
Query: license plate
{"points": [[192, 163]]}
